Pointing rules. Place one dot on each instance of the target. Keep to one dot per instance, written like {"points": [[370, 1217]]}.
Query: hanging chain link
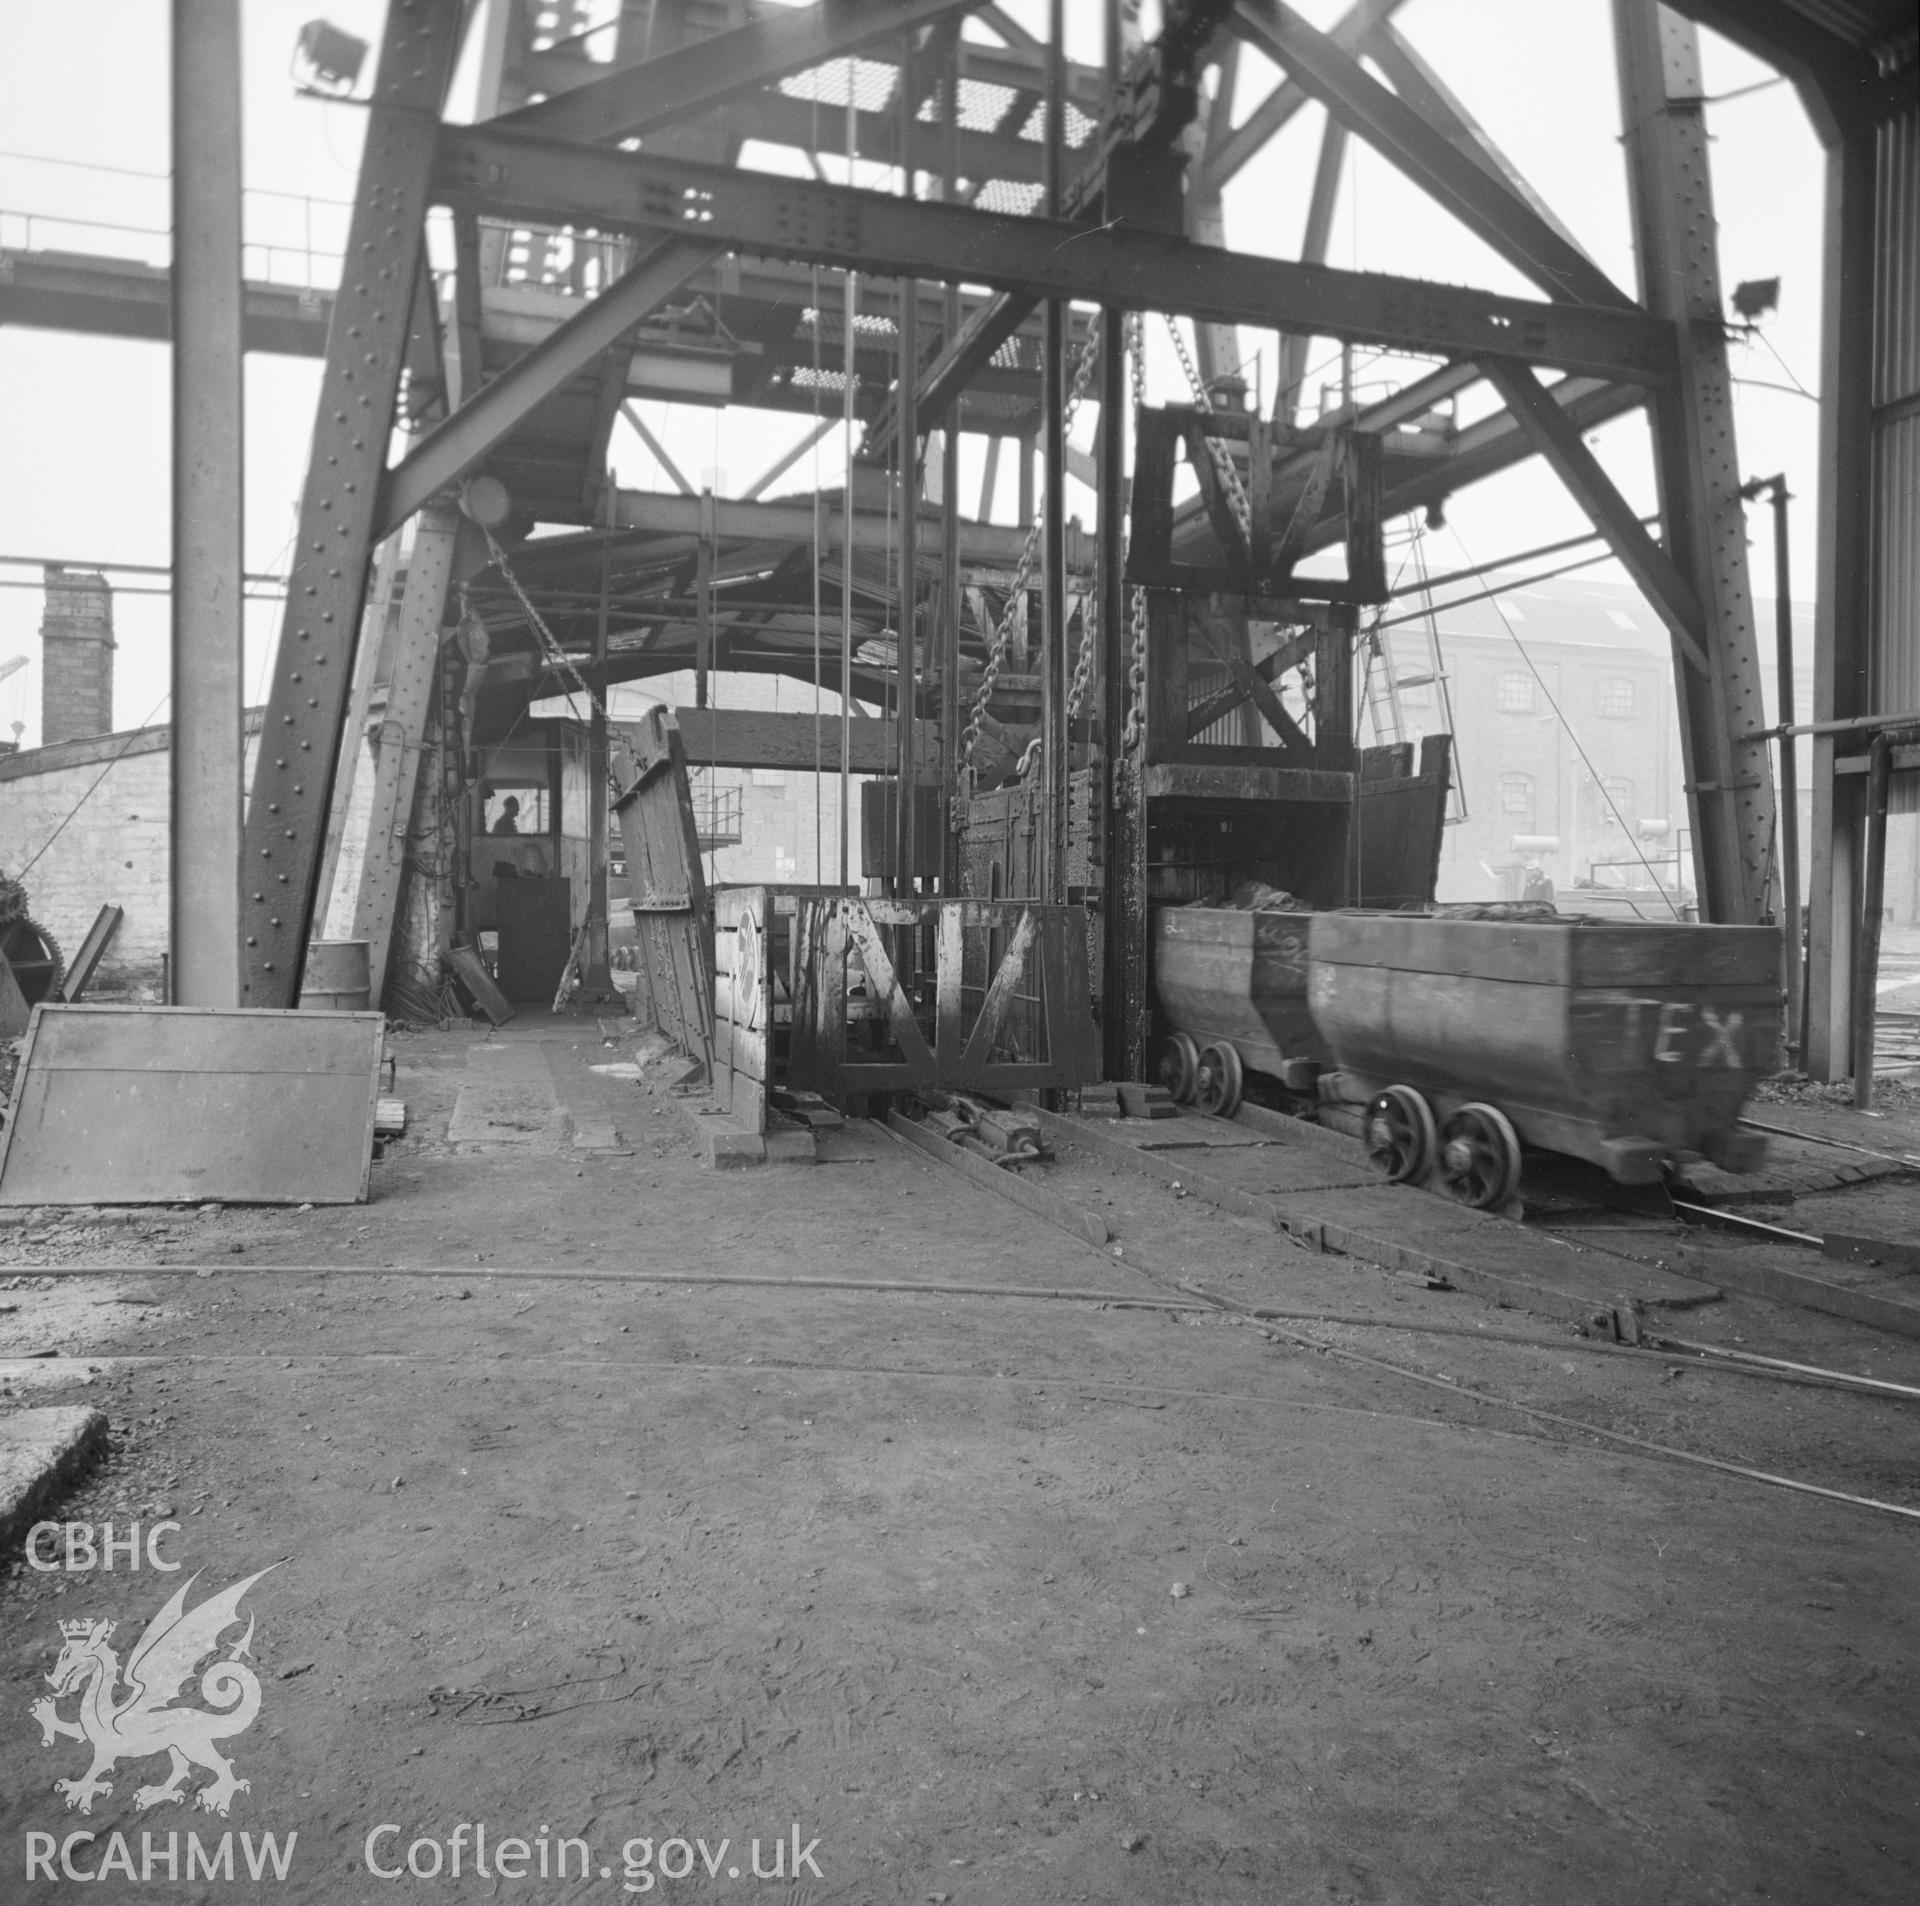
{"points": [[1137, 651], [1222, 457], [1022, 577], [1002, 642]]}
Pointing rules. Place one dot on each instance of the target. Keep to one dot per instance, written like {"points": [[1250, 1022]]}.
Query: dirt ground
{"points": [[1010, 1597]]}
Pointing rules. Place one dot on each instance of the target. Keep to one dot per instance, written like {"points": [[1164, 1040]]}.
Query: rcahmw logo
{"points": [[129, 1714]]}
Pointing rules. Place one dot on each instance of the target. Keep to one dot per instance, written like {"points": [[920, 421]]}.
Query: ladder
{"points": [[1384, 678]]}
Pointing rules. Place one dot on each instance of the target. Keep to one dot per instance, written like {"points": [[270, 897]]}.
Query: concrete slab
{"points": [[1416, 1231], [1795, 1168], [790, 1141], [595, 1135], [1312, 1198], [727, 1143], [1247, 1160], [509, 1099], [43, 1453]]}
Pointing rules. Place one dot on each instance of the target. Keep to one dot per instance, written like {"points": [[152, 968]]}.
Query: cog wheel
{"points": [[34, 954]]}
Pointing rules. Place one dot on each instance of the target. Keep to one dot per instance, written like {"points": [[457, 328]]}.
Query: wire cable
{"points": [[125, 750], [1579, 747]]}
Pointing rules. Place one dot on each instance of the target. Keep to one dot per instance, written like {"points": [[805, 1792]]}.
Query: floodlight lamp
{"points": [[327, 60], [1755, 297]]}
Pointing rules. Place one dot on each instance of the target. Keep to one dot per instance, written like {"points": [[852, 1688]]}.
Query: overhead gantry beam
{"points": [[1147, 108], [551, 182], [988, 544]]}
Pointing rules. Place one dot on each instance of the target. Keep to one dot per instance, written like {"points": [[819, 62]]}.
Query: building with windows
{"points": [[1566, 745]]}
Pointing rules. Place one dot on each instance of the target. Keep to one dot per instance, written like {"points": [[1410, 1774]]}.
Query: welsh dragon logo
{"points": [[139, 1720]]}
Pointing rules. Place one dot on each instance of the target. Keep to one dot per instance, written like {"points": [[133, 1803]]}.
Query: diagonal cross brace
{"points": [[1226, 157], [1000, 997], [1254, 685], [1486, 204], [1556, 437], [447, 453], [1290, 654], [886, 984]]}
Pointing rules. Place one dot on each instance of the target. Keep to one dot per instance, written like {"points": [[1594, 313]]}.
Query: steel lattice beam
{"points": [[293, 775], [1486, 203], [1351, 34], [642, 98], [1148, 108], [447, 453], [551, 182]]}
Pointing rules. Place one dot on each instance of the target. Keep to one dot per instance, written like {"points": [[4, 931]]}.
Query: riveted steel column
{"points": [[1729, 771], [209, 632], [906, 646], [1842, 689], [1123, 913], [1056, 666], [948, 621], [366, 346]]}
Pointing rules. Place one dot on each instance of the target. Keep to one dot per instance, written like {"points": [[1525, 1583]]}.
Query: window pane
{"points": [[1515, 696], [1516, 797], [1617, 793]]}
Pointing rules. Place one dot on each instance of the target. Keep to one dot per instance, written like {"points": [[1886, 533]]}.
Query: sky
{"points": [[84, 150]]}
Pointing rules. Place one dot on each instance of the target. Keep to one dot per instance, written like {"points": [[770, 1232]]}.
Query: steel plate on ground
{"points": [[183, 1104]]}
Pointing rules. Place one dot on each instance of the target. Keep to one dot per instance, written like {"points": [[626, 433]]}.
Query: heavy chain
{"points": [[1083, 663], [1137, 650], [1002, 642], [1222, 458], [1022, 576]]}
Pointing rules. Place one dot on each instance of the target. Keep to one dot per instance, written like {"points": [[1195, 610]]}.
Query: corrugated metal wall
{"points": [[1894, 603]]}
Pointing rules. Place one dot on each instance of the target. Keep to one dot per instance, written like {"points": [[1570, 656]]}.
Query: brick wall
{"points": [[76, 667], [777, 827], [111, 793]]}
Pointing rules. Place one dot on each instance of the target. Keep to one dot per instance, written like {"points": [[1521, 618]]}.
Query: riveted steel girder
{"points": [[1487, 204], [1729, 770], [552, 182], [447, 453], [649, 94], [367, 345]]}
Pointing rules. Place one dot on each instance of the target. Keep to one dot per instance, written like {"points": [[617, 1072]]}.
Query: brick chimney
{"points": [[76, 665]]}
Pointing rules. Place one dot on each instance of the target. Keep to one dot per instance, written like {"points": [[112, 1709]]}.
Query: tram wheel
{"points": [[1400, 1135], [1479, 1157], [1218, 1084], [1178, 1067]]}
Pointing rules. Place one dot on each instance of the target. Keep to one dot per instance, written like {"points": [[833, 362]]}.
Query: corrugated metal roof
{"points": [[1873, 25], [1894, 599], [1896, 276]]}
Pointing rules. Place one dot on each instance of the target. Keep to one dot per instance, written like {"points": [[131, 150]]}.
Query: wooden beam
{"points": [[743, 738]]}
